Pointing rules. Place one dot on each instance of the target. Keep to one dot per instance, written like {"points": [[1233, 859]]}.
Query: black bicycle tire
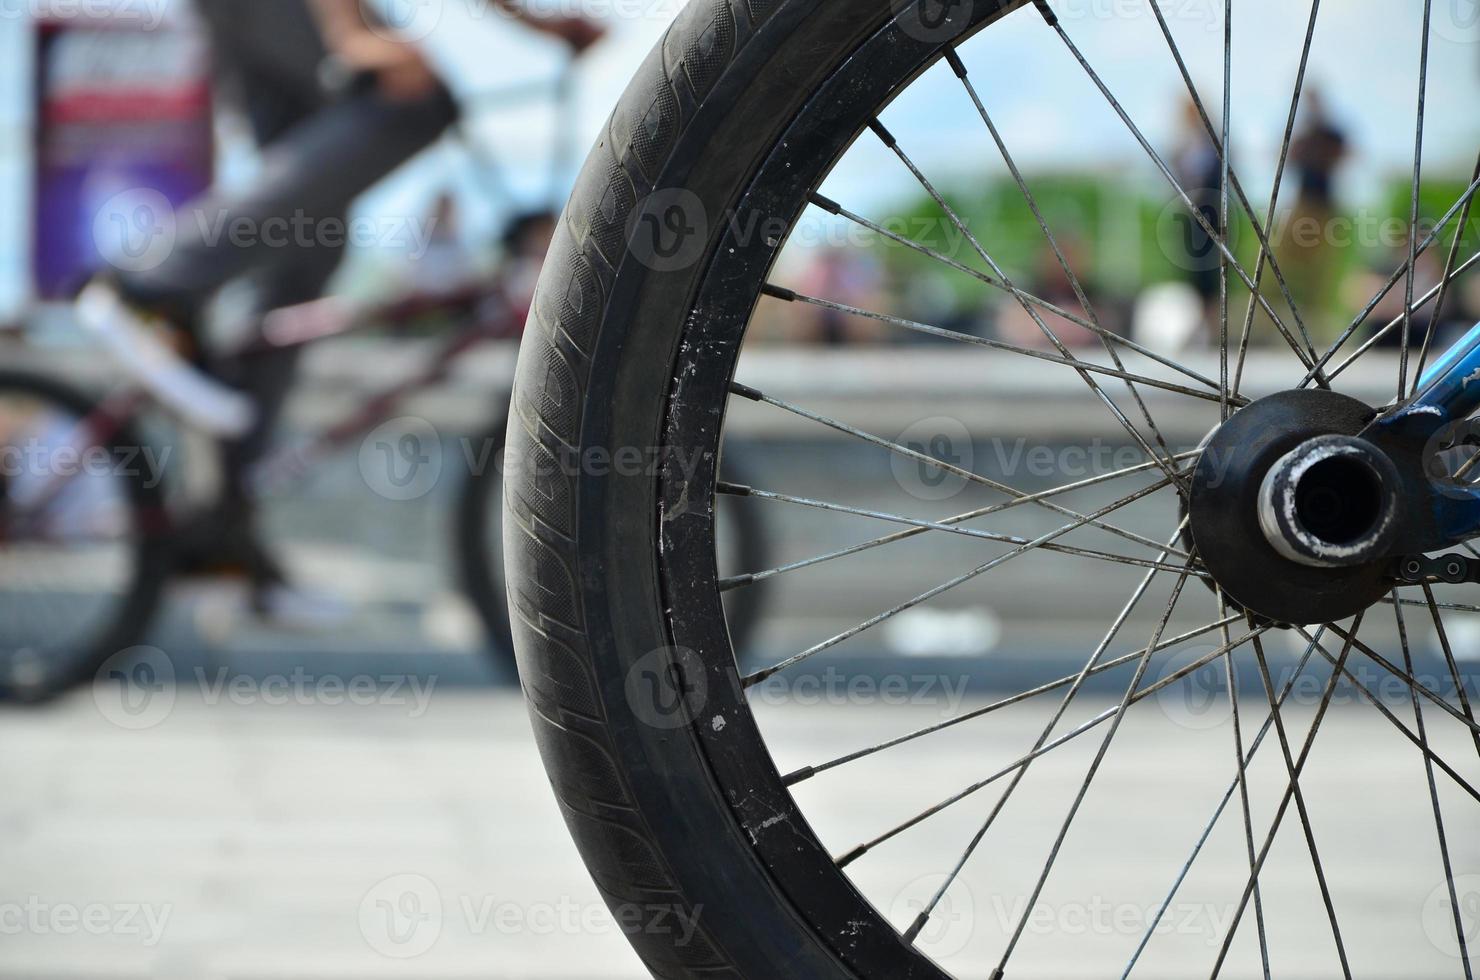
{"points": [[643, 808], [480, 559], [750, 550], [150, 550]]}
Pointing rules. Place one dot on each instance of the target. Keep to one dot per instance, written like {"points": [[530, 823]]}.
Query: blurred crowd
{"points": [[1329, 257]]}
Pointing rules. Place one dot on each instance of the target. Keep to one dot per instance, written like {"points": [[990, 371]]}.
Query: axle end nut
{"points": [[1331, 502]]}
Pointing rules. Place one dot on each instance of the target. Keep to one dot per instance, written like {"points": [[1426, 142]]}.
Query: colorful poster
{"points": [[124, 136]]}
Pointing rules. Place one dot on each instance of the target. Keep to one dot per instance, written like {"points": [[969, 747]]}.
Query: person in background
{"points": [[1458, 315], [848, 276], [1197, 167], [336, 102], [1047, 280], [1306, 253], [446, 263], [526, 242]]}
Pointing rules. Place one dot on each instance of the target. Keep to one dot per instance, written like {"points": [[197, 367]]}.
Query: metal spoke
{"points": [[1267, 256], [1397, 321], [1243, 789], [1435, 317], [1408, 678], [745, 391], [923, 918], [1382, 709], [1223, 175], [1274, 195], [1306, 358], [1067, 359], [1089, 776], [1423, 738], [807, 772], [1452, 606], [994, 536], [1305, 822], [889, 141], [1022, 549], [740, 581], [1423, 82], [959, 68], [832, 207], [1212, 824], [1107, 715], [1459, 682], [1290, 790]]}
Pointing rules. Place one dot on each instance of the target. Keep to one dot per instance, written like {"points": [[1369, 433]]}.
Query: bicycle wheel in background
{"points": [[478, 547], [670, 775], [80, 570]]}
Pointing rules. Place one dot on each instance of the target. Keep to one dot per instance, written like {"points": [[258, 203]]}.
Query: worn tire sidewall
{"points": [[625, 378]]}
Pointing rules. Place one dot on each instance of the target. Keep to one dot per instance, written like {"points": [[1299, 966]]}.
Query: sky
{"points": [[1364, 61]]}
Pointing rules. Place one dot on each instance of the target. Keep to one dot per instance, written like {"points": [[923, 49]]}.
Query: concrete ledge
{"points": [[881, 389]]}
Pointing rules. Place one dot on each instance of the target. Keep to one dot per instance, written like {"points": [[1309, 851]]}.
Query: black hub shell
{"points": [[1224, 512]]}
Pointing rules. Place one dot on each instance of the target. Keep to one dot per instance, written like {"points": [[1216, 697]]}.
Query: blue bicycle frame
{"points": [[1448, 393]]}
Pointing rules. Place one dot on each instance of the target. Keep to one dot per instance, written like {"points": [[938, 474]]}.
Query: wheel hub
{"points": [[1294, 517]]}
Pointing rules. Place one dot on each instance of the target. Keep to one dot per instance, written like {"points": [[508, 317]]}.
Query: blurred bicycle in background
{"points": [[98, 512]]}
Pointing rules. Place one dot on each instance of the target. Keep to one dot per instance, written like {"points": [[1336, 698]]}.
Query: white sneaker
{"points": [[136, 347]]}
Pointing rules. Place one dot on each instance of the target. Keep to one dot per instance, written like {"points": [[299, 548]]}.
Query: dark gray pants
{"points": [[319, 154]]}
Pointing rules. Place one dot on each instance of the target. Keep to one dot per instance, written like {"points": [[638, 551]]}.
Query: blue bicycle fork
{"points": [[1436, 418]]}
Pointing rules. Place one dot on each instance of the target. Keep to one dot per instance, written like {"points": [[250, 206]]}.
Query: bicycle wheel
{"points": [[478, 544], [80, 570], [684, 794]]}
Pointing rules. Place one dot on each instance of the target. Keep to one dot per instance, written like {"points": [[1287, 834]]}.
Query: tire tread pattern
{"points": [[540, 539]]}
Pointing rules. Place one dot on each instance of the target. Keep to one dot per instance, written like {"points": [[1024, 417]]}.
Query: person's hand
{"points": [[401, 72], [577, 32]]}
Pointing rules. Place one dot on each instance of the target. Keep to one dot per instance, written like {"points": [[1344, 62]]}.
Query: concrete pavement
{"points": [[242, 835]]}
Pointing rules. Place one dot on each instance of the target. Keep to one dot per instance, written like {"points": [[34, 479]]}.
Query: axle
{"points": [[1331, 502]]}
